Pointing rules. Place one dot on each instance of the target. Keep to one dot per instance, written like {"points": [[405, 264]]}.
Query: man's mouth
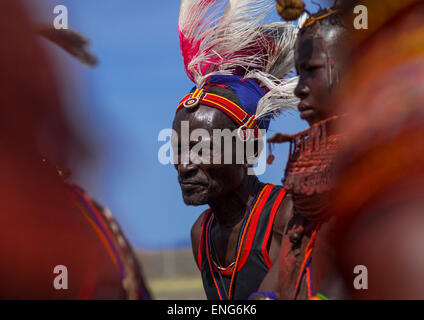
{"points": [[187, 186]]}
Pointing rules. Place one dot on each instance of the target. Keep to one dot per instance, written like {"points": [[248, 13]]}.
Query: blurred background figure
{"points": [[55, 243], [379, 193]]}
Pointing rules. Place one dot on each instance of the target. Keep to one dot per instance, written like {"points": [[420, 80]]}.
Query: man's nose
{"points": [[186, 170], [302, 90]]}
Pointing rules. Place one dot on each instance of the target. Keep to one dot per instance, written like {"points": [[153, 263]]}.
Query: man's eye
{"points": [[313, 68]]}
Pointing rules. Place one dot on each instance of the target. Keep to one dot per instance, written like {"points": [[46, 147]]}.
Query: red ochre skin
{"points": [[226, 188], [313, 48], [311, 52]]}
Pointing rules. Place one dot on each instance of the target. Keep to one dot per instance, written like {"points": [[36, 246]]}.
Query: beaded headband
{"points": [[228, 42], [235, 112]]}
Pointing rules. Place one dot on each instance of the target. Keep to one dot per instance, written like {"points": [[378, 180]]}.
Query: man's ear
{"points": [[257, 149]]}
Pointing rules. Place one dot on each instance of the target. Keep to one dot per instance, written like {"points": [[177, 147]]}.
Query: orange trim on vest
{"points": [[255, 218], [199, 250], [252, 228], [210, 266], [275, 208]]}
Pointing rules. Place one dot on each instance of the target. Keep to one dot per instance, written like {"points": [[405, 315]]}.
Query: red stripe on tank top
{"points": [[253, 227], [199, 250], [275, 207]]}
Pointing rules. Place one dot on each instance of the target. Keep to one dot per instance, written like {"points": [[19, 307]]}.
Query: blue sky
{"points": [[121, 106]]}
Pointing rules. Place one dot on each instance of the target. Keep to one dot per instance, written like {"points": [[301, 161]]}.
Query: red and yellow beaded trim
{"points": [[235, 112]]}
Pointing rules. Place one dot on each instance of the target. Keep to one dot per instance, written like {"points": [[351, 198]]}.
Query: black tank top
{"points": [[253, 263]]}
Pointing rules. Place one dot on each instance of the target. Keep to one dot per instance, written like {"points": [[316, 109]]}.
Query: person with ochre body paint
{"points": [[304, 258], [237, 240]]}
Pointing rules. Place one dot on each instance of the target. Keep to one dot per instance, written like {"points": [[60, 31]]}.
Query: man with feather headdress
{"points": [[239, 67]]}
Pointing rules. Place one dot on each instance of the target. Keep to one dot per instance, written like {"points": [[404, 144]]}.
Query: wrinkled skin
{"points": [[202, 183], [226, 188]]}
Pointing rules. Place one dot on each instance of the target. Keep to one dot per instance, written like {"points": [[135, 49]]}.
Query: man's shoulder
{"points": [[275, 186], [196, 233], [283, 213], [276, 191], [196, 229]]}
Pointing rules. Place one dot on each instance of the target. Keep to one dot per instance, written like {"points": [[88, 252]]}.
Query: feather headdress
{"points": [[228, 38]]}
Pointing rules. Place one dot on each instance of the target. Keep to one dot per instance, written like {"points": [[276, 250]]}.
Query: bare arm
{"points": [[279, 227]]}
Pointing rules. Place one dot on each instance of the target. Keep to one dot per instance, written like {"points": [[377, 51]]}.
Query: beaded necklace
{"points": [[213, 269], [306, 268]]}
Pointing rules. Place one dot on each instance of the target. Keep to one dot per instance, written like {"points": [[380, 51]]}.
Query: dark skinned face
{"points": [[310, 61], [202, 183]]}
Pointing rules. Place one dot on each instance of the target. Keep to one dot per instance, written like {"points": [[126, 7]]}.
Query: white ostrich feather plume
{"points": [[222, 37]]}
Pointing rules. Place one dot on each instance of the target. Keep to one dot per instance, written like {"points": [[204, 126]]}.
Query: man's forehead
{"points": [[203, 117]]}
